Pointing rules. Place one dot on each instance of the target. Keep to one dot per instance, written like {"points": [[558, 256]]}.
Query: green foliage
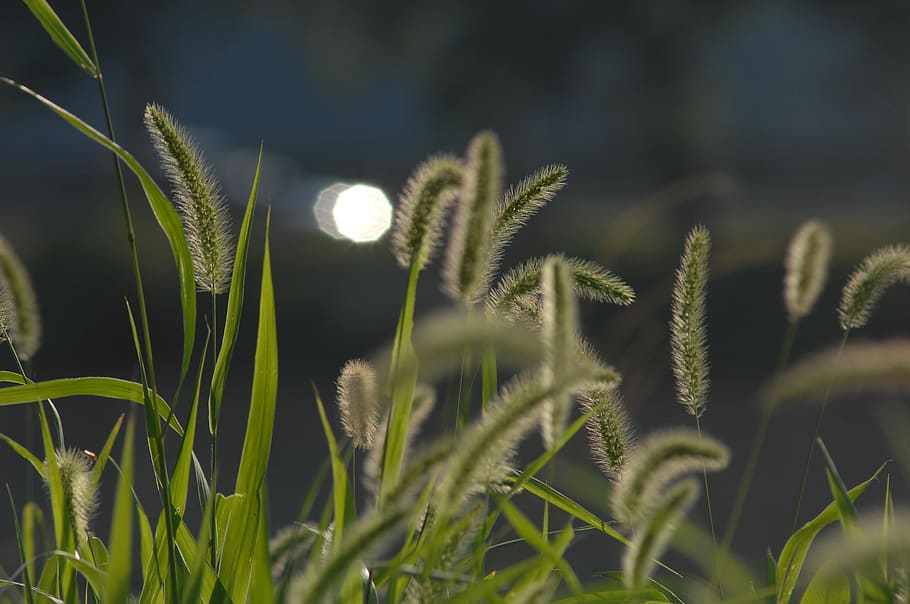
{"points": [[436, 505]]}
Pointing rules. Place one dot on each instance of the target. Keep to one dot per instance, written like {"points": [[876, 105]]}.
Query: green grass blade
{"points": [[105, 453], [573, 508], [20, 542], [486, 589], [117, 582], [164, 212], [339, 474], [32, 522], [793, 556], [61, 36], [827, 590], [180, 477], [235, 302], [531, 534], [104, 387], [240, 542], [403, 384], [845, 508], [24, 454]]}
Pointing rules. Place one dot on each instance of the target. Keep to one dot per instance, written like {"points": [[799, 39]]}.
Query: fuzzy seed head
{"points": [[7, 313], [559, 313], [658, 461], [806, 266], [688, 331], [519, 205], [517, 295], [198, 197], [656, 531], [867, 283], [22, 319], [421, 210], [610, 433], [858, 366], [79, 490], [358, 401], [468, 253]]}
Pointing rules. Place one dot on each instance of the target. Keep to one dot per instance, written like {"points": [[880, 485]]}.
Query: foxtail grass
{"points": [[611, 437], [198, 197], [655, 531], [808, 257], [422, 209], [358, 402], [468, 253], [659, 460], [80, 494], [25, 317], [869, 281], [688, 329]]}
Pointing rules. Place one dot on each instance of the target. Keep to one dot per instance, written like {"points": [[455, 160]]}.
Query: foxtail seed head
{"points": [[358, 402], [806, 265], [198, 198], [656, 530], [659, 460], [22, 317], [688, 333], [867, 283], [421, 209], [79, 490], [610, 433], [559, 311], [467, 257]]}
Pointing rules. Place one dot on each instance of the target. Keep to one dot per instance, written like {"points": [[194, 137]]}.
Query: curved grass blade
{"points": [[180, 477], [24, 454], [339, 474], [240, 543], [164, 212], [104, 387], [235, 302], [26, 571], [116, 587], [793, 556], [61, 36], [104, 455]]}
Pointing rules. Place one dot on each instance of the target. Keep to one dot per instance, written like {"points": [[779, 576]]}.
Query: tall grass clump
{"points": [[447, 491]]}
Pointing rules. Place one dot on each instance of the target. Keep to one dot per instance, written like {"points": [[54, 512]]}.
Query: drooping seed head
{"points": [[610, 434], [880, 270], [358, 402], [422, 208], [23, 319], [659, 460], [858, 366], [654, 534], [806, 265], [205, 215], [688, 332], [468, 252], [79, 490]]}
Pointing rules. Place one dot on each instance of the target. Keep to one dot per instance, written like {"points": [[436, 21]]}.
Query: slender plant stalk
{"points": [[752, 462], [154, 427], [704, 474], [818, 428], [213, 527]]}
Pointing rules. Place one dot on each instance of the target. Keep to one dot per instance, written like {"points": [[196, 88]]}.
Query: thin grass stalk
{"points": [[815, 433], [752, 461], [155, 434]]}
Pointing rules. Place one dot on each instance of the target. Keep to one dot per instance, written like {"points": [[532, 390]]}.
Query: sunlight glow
{"points": [[362, 213]]}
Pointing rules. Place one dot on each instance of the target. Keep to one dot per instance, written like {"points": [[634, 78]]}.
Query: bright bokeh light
{"points": [[362, 213]]}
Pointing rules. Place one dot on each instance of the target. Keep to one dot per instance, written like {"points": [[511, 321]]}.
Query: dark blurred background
{"points": [[747, 116]]}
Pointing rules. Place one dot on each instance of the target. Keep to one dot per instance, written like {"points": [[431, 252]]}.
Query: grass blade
{"points": [[339, 474], [117, 582], [240, 542], [235, 302], [793, 555], [164, 212], [104, 387], [61, 36]]}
